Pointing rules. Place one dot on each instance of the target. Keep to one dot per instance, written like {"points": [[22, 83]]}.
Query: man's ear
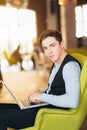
{"points": [[62, 44]]}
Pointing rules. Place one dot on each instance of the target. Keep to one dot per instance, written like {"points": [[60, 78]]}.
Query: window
{"points": [[17, 26], [81, 21]]}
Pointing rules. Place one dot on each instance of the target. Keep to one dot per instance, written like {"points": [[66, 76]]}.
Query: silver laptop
{"points": [[24, 104]]}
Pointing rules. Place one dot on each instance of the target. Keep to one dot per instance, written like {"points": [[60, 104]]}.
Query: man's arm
{"points": [[71, 75]]}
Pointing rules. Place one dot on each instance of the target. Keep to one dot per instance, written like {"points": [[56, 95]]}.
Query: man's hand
{"points": [[35, 97]]}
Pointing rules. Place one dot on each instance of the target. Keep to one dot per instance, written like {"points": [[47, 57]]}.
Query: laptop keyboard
{"points": [[25, 104]]}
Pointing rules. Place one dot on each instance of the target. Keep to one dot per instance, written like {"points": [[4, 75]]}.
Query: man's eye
{"points": [[44, 49], [53, 45]]}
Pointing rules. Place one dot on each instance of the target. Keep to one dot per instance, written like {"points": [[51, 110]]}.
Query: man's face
{"points": [[52, 49]]}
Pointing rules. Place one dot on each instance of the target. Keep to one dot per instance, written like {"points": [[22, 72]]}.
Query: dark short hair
{"points": [[50, 33]]}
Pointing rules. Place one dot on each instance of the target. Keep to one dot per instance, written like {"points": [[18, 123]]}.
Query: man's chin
{"points": [[52, 60]]}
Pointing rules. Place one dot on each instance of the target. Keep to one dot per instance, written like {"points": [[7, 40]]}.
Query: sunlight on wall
{"points": [[17, 26]]}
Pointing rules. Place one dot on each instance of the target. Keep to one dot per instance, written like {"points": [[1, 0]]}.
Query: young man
{"points": [[63, 89]]}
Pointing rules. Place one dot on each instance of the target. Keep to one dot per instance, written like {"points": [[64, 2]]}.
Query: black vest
{"points": [[58, 84]]}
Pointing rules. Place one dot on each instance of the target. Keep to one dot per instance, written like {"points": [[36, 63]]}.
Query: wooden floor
{"points": [[84, 125], [22, 83]]}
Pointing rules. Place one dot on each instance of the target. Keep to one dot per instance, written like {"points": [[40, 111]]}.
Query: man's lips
{"points": [[51, 56]]}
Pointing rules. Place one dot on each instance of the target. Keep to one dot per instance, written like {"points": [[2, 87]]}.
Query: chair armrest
{"points": [[56, 111], [43, 112]]}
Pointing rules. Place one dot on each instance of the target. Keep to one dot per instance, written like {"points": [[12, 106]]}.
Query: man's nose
{"points": [[49, 50]]}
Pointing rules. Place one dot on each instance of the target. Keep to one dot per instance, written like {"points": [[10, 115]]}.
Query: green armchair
{"points": [[72, 119], [50, 119]]}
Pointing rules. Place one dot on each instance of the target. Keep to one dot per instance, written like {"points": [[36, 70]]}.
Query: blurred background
{"points": [[22, 21], [23, 65]]}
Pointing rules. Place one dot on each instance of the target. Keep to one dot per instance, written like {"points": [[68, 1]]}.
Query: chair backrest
{"points": [[83, 78], [11, 60], [6, 56]]}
